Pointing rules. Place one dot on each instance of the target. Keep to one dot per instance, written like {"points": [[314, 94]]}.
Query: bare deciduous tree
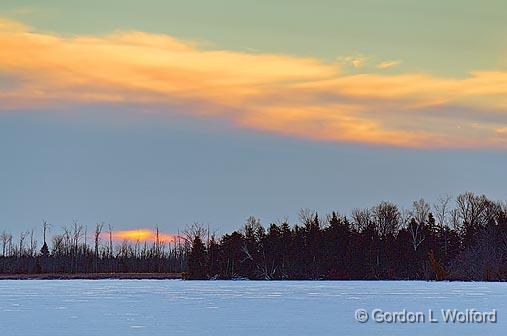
{"points": [[98, 231], [110, 240], [21, 249], [444, 218], [32, 250], [419, 213], [386, 218], [6, 243], [442, 211], [45, 229], [361, 219], [470, 208], [193, 231], [306, 217]]}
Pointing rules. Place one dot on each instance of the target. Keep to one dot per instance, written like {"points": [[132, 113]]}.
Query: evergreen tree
{"points": [[197, 261], [44, 250]]}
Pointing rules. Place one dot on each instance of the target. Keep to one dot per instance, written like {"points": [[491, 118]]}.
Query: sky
{"points": [[162, 113]]}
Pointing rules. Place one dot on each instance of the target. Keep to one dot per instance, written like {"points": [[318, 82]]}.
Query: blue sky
{"points": [[148, 171]]}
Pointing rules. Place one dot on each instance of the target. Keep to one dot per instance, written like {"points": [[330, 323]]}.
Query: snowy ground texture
{"points": [[174, 307]]}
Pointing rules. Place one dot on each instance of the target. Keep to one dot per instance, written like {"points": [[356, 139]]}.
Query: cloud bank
{"points": [[289, 95]]}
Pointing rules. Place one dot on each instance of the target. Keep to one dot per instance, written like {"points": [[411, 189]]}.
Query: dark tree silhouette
{"points": [[197, 260], [467, 241]]}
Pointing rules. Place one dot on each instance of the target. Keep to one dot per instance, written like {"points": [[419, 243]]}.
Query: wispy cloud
{"points": [[502, 132], [356, 61], [283, 94], [387, 64]]}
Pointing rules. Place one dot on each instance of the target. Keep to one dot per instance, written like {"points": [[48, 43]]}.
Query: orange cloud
{"points": [[502, 132], [288, 95], [143, 235]]}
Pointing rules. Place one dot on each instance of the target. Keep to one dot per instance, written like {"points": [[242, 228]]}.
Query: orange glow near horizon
{"points": [[143, 235]]}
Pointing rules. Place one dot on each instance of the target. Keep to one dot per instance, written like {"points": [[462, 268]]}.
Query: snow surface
{"points": [[174, 307]]}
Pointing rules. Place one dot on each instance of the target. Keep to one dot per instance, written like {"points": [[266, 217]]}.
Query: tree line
{"points": [[75, 250], [464, 238], [454, 239]]}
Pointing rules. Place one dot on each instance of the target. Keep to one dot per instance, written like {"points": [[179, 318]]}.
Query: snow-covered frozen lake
{"points": [[174, 307]]}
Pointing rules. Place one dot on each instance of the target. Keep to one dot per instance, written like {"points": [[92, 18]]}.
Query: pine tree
{"points": [[197, 261], [44, 250]]}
